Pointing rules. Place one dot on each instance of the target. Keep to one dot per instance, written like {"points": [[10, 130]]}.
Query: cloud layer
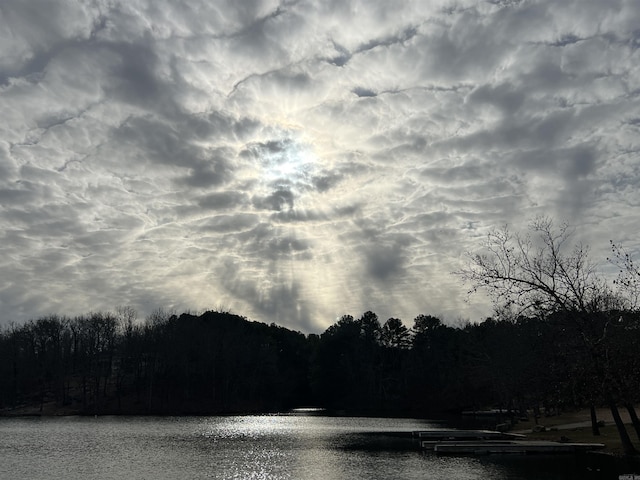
{"points": [[297, 160]]}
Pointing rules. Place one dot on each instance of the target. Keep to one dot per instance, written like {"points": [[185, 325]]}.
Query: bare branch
{"points": [[628, 280], [537, 272]]}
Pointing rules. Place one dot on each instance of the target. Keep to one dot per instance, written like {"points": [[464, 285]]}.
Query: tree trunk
{"points": [[595, 429], [84, 392], [627, 446], [634, 418]]}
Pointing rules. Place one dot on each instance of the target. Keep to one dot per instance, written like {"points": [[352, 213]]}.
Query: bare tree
{"points": [[628, 280], [628, 283], [536, 273], [543, 273], [126, 317]]}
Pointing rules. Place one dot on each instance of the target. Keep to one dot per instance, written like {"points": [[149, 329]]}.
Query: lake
{"points": [[260, 447]]}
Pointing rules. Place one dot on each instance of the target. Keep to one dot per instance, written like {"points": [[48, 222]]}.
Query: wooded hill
{"points": [[220, 363]]}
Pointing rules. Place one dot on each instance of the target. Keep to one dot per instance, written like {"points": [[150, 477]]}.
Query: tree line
{"points": [[561, 338], [219, 362]]}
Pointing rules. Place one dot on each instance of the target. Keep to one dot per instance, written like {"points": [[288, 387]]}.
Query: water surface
{"points": [[269, 447]]}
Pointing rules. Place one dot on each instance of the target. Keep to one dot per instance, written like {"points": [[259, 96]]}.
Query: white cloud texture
{"points": [[297, 160]]}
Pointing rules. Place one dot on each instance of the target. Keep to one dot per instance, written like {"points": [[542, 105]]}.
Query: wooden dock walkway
{"points": [[451, 442], [452, 434], [515, 446]]}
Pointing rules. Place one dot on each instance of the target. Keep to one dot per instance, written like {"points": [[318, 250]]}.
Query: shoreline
{"points": [[575, 426]]}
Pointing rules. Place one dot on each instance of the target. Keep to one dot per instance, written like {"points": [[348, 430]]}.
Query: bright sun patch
{"points": [[292, 164], [285, 162], [284, 167]]}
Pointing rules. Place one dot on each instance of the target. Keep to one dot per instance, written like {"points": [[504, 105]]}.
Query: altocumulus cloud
{"points": [[297, 160]]}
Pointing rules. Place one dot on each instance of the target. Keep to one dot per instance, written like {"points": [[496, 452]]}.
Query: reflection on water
{"points": [[273, 447]]}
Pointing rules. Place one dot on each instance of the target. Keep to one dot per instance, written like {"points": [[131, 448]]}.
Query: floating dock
{"points": [[430, 438], [466, 435], [482, 442], [516, 446]]}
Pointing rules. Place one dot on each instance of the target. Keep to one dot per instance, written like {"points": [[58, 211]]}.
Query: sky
{"points": [[295, 161]]}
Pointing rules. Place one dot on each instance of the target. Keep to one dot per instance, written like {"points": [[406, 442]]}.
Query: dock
{"points": [[515, 446], [482, 442], [466, 435]]}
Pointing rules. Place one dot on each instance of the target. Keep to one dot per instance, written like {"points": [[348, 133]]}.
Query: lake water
{"points": [[265, 447]]}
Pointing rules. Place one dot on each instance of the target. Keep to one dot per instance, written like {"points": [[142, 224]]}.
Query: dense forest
{"points": [[220, 362], [561, 338]]}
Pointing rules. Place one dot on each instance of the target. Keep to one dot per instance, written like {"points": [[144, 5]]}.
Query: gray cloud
{"points": [[384, 261], [280, 199], [505, 97], [268, 156], [230, 223], [223, 200]]}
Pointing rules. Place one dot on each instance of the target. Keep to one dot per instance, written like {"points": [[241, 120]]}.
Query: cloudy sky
{"points": [[293, 161]]}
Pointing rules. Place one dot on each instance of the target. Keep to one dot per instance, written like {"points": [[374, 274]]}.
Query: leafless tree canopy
{"points": [[538, 272], [628, 280]]}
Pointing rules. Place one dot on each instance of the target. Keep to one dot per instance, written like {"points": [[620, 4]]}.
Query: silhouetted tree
{"points": [[436, 366], [541, 273]]}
